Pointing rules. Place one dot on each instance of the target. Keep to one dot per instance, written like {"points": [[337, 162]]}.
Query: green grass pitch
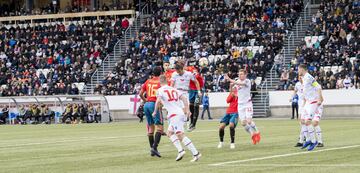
{"points": [[123, 147]]}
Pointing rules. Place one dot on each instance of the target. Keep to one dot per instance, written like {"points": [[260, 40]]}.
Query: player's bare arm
{"points": [[197, 84], [142, 95], [186, 103], [157, 105]]}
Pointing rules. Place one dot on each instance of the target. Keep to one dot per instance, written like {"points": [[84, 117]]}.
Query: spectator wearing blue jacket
{"points": [[205, 103]]}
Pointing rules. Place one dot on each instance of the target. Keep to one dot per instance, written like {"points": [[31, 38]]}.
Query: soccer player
{"points": [[312, 109], [231, 117], [194, 98], [298, 90], [149, 88], [245, 106], [181, 81], [177, 106], [168, 71]]}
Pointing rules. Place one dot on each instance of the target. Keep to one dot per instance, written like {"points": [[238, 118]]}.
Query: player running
{"points": [[181, 81], [298, 90], [231, 117], [174, 101], [245, 106], [312, 109], [149, 88]]}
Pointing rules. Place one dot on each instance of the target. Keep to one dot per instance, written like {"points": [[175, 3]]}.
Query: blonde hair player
{"points": [[245, 106], [177, 106], [312, 108]]}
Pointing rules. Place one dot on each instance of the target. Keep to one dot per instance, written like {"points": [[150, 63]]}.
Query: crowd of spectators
{"points": [[334, 60], [197, 29], [70, 54]]}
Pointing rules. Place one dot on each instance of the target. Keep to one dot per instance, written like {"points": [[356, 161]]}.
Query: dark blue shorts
{"points": [[149, 109], [230, 118]]}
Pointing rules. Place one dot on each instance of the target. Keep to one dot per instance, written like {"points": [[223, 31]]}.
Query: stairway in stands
{"points": [[293, 39], [110, 61]]}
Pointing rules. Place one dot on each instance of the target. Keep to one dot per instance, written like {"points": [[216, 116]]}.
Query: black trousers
{"points": [[194, 109], [295, 108], [66, 116]]}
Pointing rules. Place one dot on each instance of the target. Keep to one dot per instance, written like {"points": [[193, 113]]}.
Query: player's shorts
{"points": [[301, 110], [245, 110], [192, 95], [318, 113], [312, 111], [149, 109], [230, 118], [176, 123]]}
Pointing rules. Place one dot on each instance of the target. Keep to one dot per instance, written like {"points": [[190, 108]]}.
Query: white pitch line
{"points": [[84, 139], [296, 165], [283, 155]]}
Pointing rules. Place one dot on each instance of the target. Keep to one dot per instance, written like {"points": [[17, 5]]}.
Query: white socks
{"points": [[174, 139], [302, 133], [253, 126], [248, 129], [311, 132], [187, 142], [318, 134]]}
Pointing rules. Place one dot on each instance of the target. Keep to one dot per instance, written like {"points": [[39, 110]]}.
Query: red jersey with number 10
{"points": [[150, 87]]}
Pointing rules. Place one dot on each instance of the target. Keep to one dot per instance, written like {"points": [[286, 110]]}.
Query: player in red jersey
{"points": [[168, 71], [150, 88], [194, 98], [231, 117]]}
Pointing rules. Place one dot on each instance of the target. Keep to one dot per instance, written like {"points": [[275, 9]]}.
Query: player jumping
{"points": [[150, 87], [231, 117], [194, 98], [312, 109], [245, 106], [177, 106], [181, 81]]}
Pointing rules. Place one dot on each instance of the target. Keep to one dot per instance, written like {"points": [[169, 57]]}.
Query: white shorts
{"points": [[301, 110], [318, 113], [245, 111], [176, 123], [312, 111]]}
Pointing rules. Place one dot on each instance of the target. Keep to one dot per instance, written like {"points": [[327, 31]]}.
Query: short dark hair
{"points": [[179, 66], [303, 66], [157, 71]]}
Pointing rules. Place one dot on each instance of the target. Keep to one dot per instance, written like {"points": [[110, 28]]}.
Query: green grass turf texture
{"points": [[123, 147]]}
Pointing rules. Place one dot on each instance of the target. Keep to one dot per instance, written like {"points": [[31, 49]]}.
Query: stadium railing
{"points": [[65, 16]]}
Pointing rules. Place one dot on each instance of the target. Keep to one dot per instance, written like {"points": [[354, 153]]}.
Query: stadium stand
{"points": [[55, 57], [248, 35], [331, 48]]}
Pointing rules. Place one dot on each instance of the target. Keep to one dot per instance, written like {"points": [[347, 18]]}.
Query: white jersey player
{"points": [[174, 101], [298, 90], [245, 106], [181, 79], [312, 109]]}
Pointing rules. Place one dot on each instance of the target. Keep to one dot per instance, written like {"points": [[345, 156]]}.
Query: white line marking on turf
{"points": [[283, 155], [296, 165], [84, 139]]}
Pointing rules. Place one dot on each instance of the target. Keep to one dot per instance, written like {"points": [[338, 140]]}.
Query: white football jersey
{"points": [[170, 98], [244, 95], [182, 82], [299, 90], [310, 91]]}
